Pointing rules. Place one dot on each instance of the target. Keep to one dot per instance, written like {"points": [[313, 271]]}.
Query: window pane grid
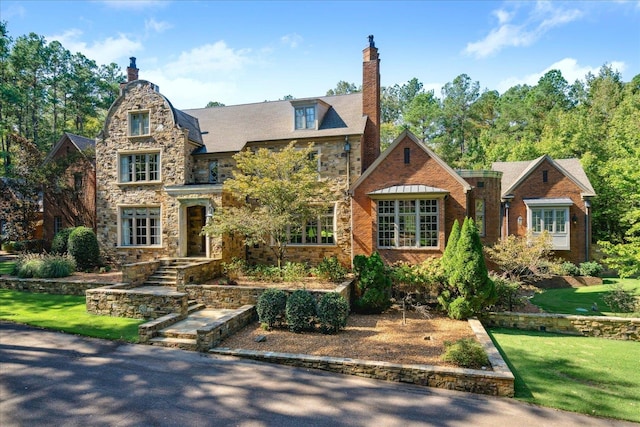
{"points": [[139, 167], [140, 226], [319, 231], [408, 223]]}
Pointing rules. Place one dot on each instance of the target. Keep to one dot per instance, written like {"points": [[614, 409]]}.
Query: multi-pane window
{"points": [[139, 123], [553, 220], [305, 117], [411, 223], [213, 171], [479, 220], [318, 231], [140, 226], [57, 224], [136, 167]]}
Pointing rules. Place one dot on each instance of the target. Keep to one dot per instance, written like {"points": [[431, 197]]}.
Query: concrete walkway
{"points": [[52, 379]]}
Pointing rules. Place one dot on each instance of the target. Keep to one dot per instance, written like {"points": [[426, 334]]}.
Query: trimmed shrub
{"points": [[569, 269], [507, 293], [466, 353], [83, 246], [60, 242], [590, 269], [620, 300], [460, 309], [271, 307], [29, 246], [333, 310], [373, 284], [301, 311], [9, 247], [44, 266], [331, 269]]}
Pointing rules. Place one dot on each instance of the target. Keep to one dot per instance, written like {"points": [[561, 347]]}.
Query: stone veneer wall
{"points": [[48, 286], [139, 272], [618, 328], [197, 273], [228, 296], [213, 333], [121, 301]]}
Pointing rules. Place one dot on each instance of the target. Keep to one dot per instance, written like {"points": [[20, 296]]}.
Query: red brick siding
{"points": [[371, 106], [557, 186], [490, 193], [422, 169]]}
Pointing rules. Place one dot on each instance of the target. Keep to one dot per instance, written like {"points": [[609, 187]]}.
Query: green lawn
{"points": [[64, 313], [568, 300], [6, 267], [593, 376]]}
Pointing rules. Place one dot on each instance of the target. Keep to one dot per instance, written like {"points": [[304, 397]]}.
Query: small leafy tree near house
{"points": [[523, 258], [470, 288], [274, 190]]}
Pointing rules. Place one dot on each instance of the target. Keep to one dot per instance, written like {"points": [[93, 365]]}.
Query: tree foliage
{"points": [[273, 191]]}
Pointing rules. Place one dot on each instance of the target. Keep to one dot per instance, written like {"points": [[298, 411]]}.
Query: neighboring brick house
{"points": [[552, 195], [71, 201], [160, 173], [20, 215]]}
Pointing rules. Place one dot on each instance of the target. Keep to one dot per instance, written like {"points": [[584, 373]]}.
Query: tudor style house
{"points": [[160, 170], [71, 202]]}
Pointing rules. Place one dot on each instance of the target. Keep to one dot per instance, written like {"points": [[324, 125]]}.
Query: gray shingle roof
{"points": [[228, 129], [512, 172], [81, 142]]}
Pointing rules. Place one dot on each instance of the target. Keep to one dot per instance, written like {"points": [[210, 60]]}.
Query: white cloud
{"points": [[102, 51], [207, 59], [156, 26], [134, 4], [569, 67], [291, 40], [544, 17], [187, 92]]}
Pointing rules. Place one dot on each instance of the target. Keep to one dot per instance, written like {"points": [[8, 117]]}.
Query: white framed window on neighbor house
{"points": [[140, 226], [318, 231], [408, 223], [305, 117], [138, 123], [139, 167], [552, 216]]}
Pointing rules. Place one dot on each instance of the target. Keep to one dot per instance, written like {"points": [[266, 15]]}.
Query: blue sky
{"points": [[243, 51]]}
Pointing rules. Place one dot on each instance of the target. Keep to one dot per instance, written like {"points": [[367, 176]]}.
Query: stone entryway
{"points": [[196, 243]]}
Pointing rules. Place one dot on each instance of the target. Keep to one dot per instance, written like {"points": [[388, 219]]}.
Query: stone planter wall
{"points": [[619, 328], [233, 296], [197, 273], [213, 334], [148, 330], [60, 286], [118, 301], [139, 272]]}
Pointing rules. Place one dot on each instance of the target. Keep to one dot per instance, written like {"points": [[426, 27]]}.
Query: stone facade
{"points": [[618, 328], [62, 286], [122, 301]]}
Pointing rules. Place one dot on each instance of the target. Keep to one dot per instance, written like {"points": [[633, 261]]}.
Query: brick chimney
{"points": [[132, 70], [370, 104]]}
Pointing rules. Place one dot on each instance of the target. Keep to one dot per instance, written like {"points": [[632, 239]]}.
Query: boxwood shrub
{"points": [[333, 310], [301, 311], [466, 353], [83, 246], [60, 242], [271, 307]]}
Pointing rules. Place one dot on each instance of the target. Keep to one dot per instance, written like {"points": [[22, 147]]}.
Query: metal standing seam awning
{"points": [[409, 190]]}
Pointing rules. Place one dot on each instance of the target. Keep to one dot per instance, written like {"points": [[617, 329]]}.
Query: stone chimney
{"points": [[132, 70], [370, 145]]}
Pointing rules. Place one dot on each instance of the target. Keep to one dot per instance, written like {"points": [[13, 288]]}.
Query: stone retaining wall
{"points": [[214, 333], [119, 301], [197, 273], [233, 296], [139, 272], [48, 286], [618, 328]]}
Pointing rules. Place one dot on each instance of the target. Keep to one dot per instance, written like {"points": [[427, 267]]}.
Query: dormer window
{"points": [[139, 123], [306, 117]]}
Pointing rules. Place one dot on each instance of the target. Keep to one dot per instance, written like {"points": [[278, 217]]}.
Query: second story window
{"points": [[139, 123], [306, 117], [213, 171], [139, 167]]}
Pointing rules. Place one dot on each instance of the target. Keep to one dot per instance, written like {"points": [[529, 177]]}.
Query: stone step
{"points": [[156, 276], [195, 306], [181, 343], [165, 283], [177, 333]]}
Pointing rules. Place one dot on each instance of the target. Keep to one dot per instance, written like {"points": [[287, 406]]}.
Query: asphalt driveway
{"points": [[48, 378]]}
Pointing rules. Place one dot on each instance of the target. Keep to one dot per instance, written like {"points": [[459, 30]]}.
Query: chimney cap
{"points": [[132, 64], [371, 43]]}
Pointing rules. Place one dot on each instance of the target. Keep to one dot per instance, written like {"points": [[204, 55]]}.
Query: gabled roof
{"points": [[80, 142], [230, 128], [407, 134], [513, 173]]}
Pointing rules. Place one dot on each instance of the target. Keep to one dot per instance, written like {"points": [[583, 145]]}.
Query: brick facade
{"points": [[557, 185]]}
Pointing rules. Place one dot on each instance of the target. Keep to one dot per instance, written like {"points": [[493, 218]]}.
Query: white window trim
{"points": [[120, 208], [560, 240], [121, 153], [396, 221], [129, 114]]}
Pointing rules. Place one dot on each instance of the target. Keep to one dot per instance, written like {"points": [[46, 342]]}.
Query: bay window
{"points": [[408, 223]]}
